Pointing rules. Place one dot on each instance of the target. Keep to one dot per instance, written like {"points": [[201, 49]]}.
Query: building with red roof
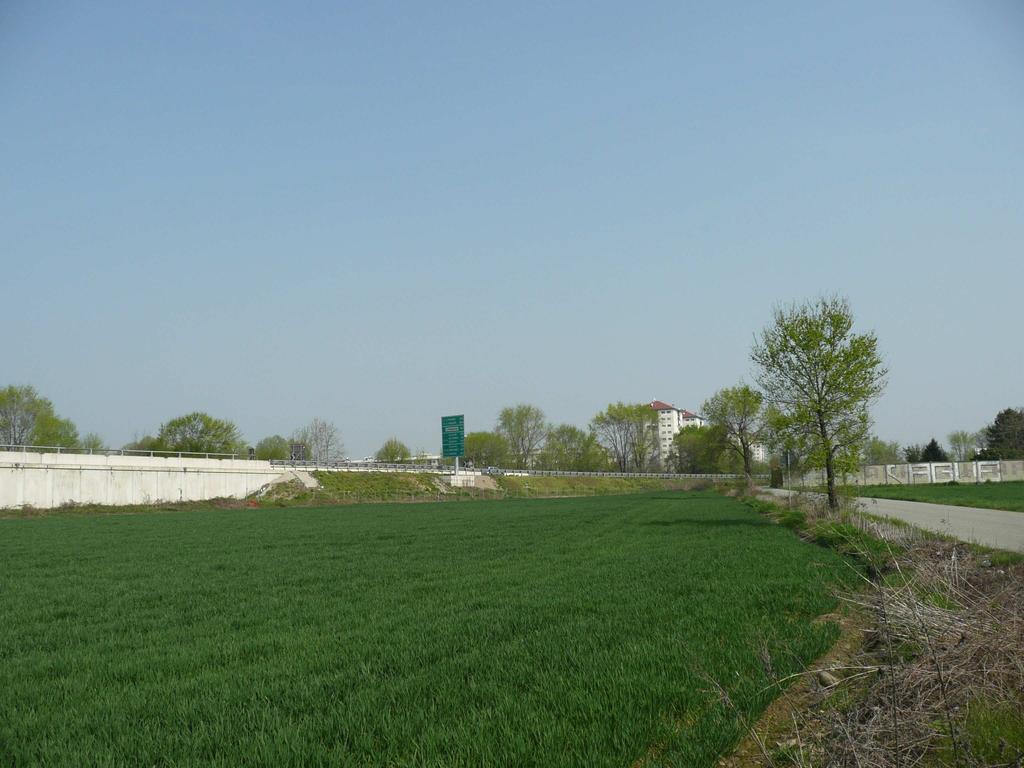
{"points": [[670, 421]]}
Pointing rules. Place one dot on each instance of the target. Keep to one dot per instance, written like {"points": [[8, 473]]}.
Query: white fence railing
{"points": [[61, 449]]}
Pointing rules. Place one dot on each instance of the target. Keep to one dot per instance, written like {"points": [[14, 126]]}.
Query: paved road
{"points": [[991, 527]]}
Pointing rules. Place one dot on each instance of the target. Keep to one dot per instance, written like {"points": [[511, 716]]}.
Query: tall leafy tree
{"points": [[629, 433], [1004, 437], [486, 449], [821, 379], [51, 429], [26, 418], [570, 448], [738, 413], [591, 455], [273, 447], [644, 444], [697, 450], [200, 432], [524, 428], [913, 453], [878, 451], [963, 444], [393, 451], [614, 427], [19, 408]]}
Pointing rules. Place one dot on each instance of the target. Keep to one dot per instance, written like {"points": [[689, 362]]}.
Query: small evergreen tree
{"points": [[934, 452], [1004, 438]]}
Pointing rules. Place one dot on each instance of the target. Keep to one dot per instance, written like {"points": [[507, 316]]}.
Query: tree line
{"points": [[623, 438], [816, 379], [27, 418], [199, 432]]}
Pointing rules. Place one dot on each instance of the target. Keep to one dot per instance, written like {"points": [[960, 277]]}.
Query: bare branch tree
{"points": [[629, 433], [322, 440]]}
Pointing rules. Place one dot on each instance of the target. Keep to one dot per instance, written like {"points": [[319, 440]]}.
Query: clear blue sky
{"points": [[383, 214]]}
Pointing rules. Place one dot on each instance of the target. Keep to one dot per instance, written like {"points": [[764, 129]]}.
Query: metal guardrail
{"points": [[339, 464], [115, 452], [639, 475], [373, 465], [498, 471]]}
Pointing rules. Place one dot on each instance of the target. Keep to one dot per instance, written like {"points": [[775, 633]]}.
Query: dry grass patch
{"points": [[939, 677]]}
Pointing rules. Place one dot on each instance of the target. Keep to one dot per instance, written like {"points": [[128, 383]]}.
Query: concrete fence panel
{"points": [[1013, 470], [874, 475], [924, 473]]}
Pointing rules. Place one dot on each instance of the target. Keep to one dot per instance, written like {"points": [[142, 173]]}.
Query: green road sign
{"points": [[453, 435]]}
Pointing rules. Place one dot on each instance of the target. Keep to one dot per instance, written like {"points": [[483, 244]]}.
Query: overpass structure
{"points": [[50, 479], [47, 478]]}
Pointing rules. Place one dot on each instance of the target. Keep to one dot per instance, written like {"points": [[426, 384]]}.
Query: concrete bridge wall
{"points": [[47, 480]]}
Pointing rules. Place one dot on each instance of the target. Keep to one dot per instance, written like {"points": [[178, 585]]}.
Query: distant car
{"points": [[493, 471]]}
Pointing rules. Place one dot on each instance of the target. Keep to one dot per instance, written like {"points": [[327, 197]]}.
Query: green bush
{"points": [[851, 541], [794, 519]]}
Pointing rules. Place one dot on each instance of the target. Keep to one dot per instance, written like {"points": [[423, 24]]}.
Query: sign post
{"points": [[453, 437]]}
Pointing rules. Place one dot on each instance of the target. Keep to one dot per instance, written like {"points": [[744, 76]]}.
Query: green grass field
{"points": [[986, 495], [558, 632]]}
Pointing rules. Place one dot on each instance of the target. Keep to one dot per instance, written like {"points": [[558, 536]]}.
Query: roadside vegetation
{"points": [[930, 669], [1007, 495], [559, 632], [516, 486], [355, 488], [362, 487]]}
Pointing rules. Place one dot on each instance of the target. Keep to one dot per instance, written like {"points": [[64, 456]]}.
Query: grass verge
{"points": [[1008, 496], [521, 486]]}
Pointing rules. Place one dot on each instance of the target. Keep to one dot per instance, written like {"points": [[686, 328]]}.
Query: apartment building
{"points": [[670, 421]]}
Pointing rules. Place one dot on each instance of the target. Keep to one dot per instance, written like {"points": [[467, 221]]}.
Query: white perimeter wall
{"points": [[927, 472], [46, 480]]}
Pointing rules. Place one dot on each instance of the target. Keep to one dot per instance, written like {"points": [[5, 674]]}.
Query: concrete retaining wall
{"points": [[47, 480]]}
